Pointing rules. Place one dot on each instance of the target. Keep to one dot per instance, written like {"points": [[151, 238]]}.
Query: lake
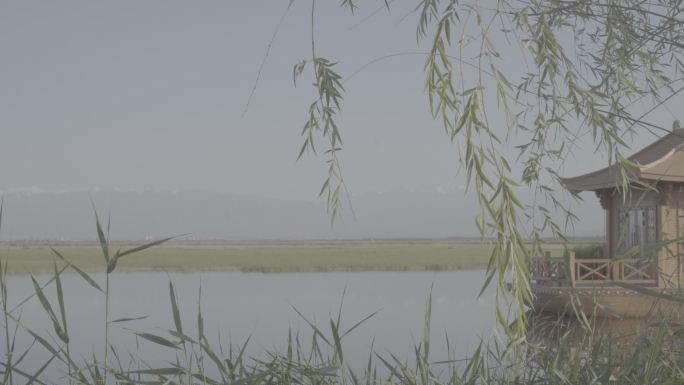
{"points": [[237, 305]]}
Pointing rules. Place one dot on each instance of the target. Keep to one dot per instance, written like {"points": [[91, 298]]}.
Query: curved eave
{"points": [[669, 168], [663, 160], [598, 180]]}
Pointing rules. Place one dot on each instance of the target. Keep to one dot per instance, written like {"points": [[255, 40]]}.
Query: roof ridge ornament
{"points": [[675, 126]]}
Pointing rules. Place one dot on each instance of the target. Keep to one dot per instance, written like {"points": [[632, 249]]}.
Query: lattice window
{"points": [[637, 227]]}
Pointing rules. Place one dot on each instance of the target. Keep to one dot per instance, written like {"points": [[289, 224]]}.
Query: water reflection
{"points": [[237, 306]]}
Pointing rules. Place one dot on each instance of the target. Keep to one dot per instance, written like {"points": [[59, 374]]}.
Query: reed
{"points": [[651, 357]]}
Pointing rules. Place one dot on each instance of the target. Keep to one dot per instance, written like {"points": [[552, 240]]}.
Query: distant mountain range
{"points": [[402, 213]]}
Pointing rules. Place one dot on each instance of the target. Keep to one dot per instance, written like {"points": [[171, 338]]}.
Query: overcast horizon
{"points": [[149, 96], [137, 215]]}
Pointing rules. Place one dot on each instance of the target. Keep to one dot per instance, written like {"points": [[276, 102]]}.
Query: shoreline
{"points": [[260, 257]]}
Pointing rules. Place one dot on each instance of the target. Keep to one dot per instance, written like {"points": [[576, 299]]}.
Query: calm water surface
{"points": [[238, 305]]}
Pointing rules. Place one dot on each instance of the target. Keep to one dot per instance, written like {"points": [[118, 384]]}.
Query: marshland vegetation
{"points": [[261, 256]]}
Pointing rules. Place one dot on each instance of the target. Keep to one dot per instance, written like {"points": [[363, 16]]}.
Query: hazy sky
{"points": [[149, 95]]}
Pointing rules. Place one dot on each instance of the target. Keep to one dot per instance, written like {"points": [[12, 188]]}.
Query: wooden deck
{"points": [[592, 285], [587, 272]]}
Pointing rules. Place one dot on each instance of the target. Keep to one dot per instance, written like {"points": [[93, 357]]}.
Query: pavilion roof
{"points": [[662, 160]]}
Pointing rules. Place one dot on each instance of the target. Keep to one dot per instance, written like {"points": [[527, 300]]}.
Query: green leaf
{"points": [[200, 318], [111, 264], [338, 342], [174, 309], [129, 319], [60, 300], [171, 371], [360, 322], [80, 272], [48, 309], [104, 243], [146, 246], [157, 340], [180, 336], [315, 329]]}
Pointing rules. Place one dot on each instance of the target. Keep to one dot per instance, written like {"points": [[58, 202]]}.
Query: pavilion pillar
{"points": [[667, 257]]}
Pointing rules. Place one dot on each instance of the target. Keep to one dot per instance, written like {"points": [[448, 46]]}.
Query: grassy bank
{"points": [[400, 255]]}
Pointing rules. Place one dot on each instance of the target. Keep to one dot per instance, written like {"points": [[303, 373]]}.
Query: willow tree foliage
{"points": [[553, 72]]}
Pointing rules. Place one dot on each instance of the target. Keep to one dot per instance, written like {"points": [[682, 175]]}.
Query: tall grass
{"points": [[554, 356]]}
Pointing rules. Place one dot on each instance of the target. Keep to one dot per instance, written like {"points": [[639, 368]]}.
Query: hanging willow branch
{"points": [[321, 120], [564, 74]]}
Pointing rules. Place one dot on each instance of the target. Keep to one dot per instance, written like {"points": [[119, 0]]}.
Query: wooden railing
{"points": [[637, 271], [549, 271], [592, 269]]}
